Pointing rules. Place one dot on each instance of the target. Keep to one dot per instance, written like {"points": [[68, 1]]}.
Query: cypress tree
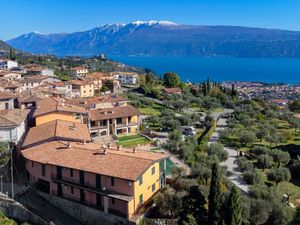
{"points": [[232, 90], [214, 198], [234, 208], [208, 85]]}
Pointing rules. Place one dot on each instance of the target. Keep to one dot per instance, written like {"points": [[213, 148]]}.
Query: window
{"points": [[119, 120], [43, 170], [32, 164], [71, 172], [72, 190], [112, 181], [141, 199], [113, 201], [153, 187], [140, 180], [153, 170]]}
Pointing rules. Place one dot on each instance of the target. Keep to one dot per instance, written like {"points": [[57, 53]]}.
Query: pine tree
{"points": [[234, 210], [214, 198]]}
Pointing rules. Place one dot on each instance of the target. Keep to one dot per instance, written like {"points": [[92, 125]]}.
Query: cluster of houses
{"points": [[64, 132]]}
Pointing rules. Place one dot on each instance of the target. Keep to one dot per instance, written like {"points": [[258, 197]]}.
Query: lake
{"points": [[195, 69]]}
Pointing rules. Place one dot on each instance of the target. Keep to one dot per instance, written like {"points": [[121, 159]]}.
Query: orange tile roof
{"points": [[52, 104], [12, 117], [78, 82], [124, 164], [6, 95], [123, 111], [57, 130]]}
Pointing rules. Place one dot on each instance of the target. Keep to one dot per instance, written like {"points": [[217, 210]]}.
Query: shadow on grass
{"points": [[293, 149]]}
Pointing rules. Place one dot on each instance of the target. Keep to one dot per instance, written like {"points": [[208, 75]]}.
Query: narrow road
{"points": [[232, 169]]}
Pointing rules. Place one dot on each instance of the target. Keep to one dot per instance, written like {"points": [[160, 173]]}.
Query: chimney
{"points": [[108, 145], [119, 147], [134, 150], [84, 142], [69, 145]]}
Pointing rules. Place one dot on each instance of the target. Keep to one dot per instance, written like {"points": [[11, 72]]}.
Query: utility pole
{"points": [[11, 171]]}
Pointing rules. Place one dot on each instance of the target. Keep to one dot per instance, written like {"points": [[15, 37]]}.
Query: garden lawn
{"points": [[132, 140], [153, 110]]}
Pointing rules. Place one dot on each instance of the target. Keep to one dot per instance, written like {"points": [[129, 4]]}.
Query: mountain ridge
{"points": [[164, 38]]}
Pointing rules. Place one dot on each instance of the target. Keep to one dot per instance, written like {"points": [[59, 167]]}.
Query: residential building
{"points": [[35, 81], [117, 120], [50, 109], [8, 75], [39, 71], [7, 100], [58, 130], [126, 77], [99, 102], [111, 179], [7, 64], [170, 91], [78, 72], [13, 125], [82, 89], [9, 86]]}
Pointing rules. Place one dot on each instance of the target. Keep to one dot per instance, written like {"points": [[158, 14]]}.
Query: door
{"points": [[82, 196]]}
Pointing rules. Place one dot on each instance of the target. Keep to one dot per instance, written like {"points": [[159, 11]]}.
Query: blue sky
{"points": [[47, 16]]}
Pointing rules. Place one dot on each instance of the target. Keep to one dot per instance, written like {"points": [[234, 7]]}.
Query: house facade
{"points": [[82, 89], [7, 100], [121, 120], [78, 72], [13, 125], [126, 77], [107, 185], [50, 109], [7, 64]]}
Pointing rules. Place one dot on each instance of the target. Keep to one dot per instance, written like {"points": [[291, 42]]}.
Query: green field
{"points": [[132, 140]]}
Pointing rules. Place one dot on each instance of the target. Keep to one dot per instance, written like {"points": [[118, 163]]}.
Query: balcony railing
{"points": [[88, 186]]}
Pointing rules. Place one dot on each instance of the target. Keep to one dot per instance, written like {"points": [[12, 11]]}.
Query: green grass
{"points": [[153, 110], [132, 140]]}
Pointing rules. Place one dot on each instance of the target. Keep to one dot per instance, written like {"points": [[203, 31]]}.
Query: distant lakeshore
{"points": [[197, 69]]}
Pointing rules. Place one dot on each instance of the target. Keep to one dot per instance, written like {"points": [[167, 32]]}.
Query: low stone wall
{"points": [[13, 209], [84, 214]]}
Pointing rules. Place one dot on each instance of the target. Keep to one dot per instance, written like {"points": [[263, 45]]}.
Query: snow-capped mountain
{"points": [[164, 38]]}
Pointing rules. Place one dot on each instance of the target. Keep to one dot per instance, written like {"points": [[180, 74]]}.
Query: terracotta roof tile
{"points": [[124, 164], [123, 111], [58, 130], [6, 95], [12, 117], [52, 104]]}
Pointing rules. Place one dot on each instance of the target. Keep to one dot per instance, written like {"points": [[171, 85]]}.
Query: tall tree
{"points": [[208, 84], [234, 209], [214, 198], [171, 79], [12, 54], [193, 204]]}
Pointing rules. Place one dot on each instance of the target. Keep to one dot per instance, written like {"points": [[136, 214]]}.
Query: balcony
{"points": [[90, 187]]}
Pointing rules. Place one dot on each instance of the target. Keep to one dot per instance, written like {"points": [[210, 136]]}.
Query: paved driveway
{"points": [[232, 169]]}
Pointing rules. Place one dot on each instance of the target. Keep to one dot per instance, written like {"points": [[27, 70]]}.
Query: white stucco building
{"points": [[126, 78], [7, 64], [13, 125]]}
